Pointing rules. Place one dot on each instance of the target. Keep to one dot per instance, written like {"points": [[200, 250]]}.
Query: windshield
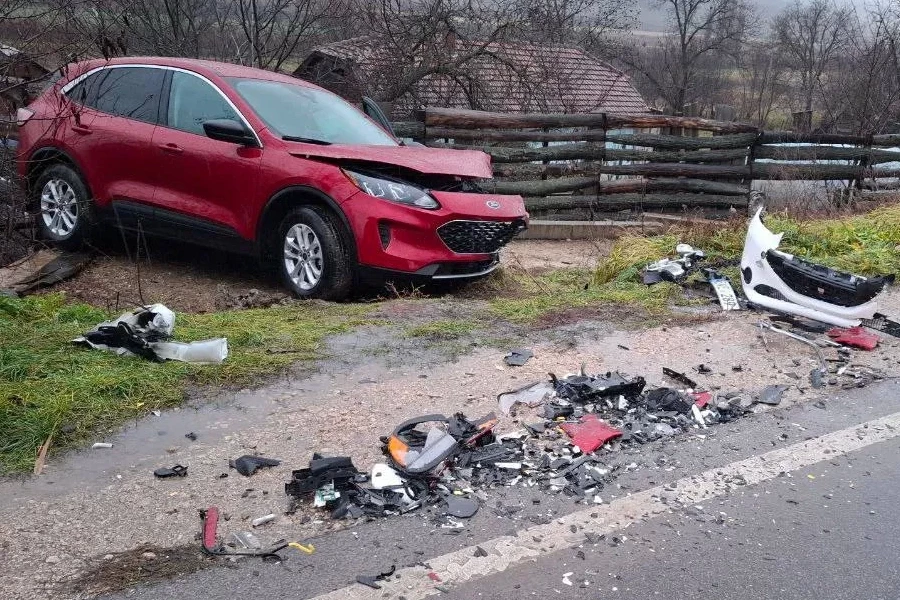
{"points": [[296, 111]]}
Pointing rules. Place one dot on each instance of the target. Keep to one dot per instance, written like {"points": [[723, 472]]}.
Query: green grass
{"points": [[48, 386], [527, 298], [867, 244]]}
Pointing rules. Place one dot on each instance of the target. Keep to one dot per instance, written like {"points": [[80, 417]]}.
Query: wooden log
{"points": [[503, 135], [678, 170], [409, 129], [820, 172], [668, 142], [470, 119], [624, 201], [792, 137], [888, 139], [588, 151], [648, 121], [603, 187], [675, 142], [541, 187], [874, 156]]}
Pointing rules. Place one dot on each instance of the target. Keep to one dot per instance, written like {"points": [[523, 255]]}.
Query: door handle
{"points": [[82, 129], [171, 148]]}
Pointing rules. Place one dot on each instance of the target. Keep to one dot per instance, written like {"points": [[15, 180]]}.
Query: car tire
{"points": [[312, 257], [65, 208]]}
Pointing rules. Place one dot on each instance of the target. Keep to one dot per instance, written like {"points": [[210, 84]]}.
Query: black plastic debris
{"points": [[338, 470], [586, 388], [667, 399], [556, 410], [772, 394], [248, 465], [175, 471], [518, 357], [679, 377], [371, 580]]}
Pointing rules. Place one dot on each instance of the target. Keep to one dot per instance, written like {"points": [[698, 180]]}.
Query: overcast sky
{"points": [[652, 18]]}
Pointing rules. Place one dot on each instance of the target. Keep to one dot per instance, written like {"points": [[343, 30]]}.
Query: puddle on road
{"points": [[362, 356]]}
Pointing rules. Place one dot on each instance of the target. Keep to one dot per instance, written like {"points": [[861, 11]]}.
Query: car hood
{"points": [[433, 161]]}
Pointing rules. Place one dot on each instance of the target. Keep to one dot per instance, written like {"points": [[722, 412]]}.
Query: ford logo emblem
{"points": [[493, 204]]}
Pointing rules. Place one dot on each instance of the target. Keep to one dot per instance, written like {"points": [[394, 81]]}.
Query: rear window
{"points": [[131, 92]]}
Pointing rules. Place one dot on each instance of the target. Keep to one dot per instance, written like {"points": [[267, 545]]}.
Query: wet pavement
{"points": [[828, 530]]}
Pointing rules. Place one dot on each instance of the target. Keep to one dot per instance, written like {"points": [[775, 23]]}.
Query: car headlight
{"points": [[402, 193]]}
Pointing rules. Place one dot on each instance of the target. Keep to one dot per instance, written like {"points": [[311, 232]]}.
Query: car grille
{"points": [[478, 237]]}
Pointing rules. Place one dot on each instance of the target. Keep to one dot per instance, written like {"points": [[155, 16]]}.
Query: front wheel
{"points": [[313, 258], [66, 209]]}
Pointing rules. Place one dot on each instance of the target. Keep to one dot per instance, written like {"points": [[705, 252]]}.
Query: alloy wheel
{"points": [[303, 256], [59, 207]]}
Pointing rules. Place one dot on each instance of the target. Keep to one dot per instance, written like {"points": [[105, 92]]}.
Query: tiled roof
{"points": [[508, 78]]}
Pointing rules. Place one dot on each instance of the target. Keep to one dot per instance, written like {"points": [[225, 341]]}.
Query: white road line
{"points": [[504, 552]]}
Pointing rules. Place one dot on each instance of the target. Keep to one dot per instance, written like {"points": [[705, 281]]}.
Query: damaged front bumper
{"points": [[460, 240], [787, 284]]}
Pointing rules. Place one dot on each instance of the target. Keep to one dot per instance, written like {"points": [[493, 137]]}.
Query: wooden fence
{"points": [[583, 165]]}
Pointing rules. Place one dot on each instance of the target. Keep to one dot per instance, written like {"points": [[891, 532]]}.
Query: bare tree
{"points": [[763, 83], [582, 23], [416, 39], [862, 90], [812, 35], [275, 29], [684, 66]]}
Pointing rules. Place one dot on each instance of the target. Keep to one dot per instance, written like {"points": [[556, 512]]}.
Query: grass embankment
{"points": [[866, 244], [48, 386]]}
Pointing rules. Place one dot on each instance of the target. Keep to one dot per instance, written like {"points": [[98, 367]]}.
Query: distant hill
{"points": [[653, 18]]}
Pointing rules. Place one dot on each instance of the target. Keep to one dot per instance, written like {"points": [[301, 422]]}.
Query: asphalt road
{"points": [[825, 527]]}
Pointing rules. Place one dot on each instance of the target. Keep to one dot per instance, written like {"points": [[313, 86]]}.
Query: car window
{"points": [[193, 101], [131, 92], [299, 111]]}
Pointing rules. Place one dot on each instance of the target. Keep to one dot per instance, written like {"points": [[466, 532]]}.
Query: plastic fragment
{"points": [[772, 394], [518, 357], [855, 337], [263, 520], [247, 465]]}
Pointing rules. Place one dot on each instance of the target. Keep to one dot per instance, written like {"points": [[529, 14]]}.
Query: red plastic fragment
{"points": [[590, 433], [210, 521], [856, 337], [434, 576], [701, 399]]}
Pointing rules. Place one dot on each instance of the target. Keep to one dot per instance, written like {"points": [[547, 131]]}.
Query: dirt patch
{"points": [[191, 279], [543, 255], [184, 278], [145, 564]]}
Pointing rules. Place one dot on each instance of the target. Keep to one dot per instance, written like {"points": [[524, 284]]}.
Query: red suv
{"points": [[251, 161]]}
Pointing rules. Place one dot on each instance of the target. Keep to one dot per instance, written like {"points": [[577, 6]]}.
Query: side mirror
{"points": [[226, 130]]}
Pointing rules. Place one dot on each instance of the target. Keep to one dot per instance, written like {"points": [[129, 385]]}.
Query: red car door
{"points": [[113, 114], [202, 183]]}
